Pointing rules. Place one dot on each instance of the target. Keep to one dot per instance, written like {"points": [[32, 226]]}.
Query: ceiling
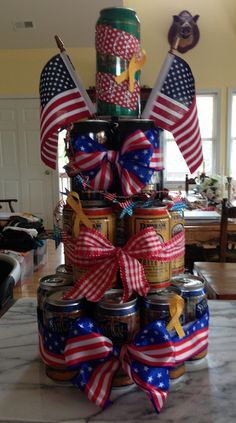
{"points": [[72, 20]]}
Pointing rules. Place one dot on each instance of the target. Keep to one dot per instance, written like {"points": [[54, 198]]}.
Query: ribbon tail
{"points": [[98, 387], [133, 276], [156, 395], [96, 282], [103, 178]]}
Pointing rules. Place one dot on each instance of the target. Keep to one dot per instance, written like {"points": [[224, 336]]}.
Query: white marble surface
{"points": [[28, 395]]}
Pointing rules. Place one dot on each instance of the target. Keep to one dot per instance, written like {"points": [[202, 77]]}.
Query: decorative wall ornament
{"points": [[183, 33]]}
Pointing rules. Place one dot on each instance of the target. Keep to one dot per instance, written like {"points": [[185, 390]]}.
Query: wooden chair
{"points": [[212, 270], [188, 182], [226, 239], [9, 202]]}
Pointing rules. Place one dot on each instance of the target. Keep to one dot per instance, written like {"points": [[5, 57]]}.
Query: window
{"points": [[175, 166], [64, 180], [231, 156]]}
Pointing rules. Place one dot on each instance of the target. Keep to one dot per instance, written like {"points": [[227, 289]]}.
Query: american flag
{"points": [[63, 101], [172, 105]]}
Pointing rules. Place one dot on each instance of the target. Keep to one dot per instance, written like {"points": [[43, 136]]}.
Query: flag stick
{"points": [[75, 76]]}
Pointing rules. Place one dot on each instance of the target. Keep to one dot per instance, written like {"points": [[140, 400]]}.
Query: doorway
{"points": [[22, 173]]}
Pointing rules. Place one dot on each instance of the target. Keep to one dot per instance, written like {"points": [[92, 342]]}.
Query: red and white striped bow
{"points": [[91, 248]]}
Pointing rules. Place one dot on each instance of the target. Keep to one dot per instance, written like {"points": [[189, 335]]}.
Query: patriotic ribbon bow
{"points": [[146, 360], [92, 248], [135, 163]]}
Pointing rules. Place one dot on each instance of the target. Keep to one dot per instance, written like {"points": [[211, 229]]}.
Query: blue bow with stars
{"points": [[135, 163], [146, 361]]}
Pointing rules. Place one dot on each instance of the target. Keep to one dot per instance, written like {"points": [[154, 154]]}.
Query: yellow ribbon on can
{"points": [[80, 218], [134, 66], [176, 307]]}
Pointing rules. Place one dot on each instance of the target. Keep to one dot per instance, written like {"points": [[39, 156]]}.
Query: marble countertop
{"points": [[206, 393]]}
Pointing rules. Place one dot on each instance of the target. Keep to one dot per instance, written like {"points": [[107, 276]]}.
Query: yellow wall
{"points": [[213, 60]]}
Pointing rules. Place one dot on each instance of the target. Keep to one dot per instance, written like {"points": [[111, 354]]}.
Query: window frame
{"points": [[216, 136], [231, 93]]}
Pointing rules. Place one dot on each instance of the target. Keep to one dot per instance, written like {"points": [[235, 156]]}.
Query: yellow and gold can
{"points": [[103, 220], [176, 226], [157, 273]]}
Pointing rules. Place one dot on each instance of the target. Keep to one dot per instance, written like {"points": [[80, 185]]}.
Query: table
{"points": [[220, 279], [28, 395]]}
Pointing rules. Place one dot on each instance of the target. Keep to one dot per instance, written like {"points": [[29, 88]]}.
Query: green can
{"points": [[117, 40]]}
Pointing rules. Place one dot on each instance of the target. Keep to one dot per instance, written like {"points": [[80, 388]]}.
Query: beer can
{"points": [[59, 315], [156, 306], [120, 322], [193, 291], [157, 273], [47, 285], [103, 220], [176, 226], [63, 272], [112, 59]]}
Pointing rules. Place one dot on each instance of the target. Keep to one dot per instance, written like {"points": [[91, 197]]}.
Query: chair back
{"points": [[188, 182], [228, 212], [9, 202]]}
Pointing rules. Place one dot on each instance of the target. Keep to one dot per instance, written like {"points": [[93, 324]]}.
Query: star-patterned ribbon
{"points": [[146, 360], [92, 249], [135, 163]]}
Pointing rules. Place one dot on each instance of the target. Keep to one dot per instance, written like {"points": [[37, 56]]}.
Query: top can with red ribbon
{"points": [[119, 60]]}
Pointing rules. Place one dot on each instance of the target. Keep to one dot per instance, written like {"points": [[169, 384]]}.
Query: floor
{"points": [[28, 287]]}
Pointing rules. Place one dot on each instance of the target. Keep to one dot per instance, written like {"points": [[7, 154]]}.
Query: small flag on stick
{"points": [[63, 101], [172, 106]]}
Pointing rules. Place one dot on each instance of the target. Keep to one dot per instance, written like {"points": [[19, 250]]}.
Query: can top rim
{"points": [[111, 300], [55, 298]]}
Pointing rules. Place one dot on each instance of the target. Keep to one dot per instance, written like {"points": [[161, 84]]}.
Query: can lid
{"points": [[153, 211], [97, 211], [55, 299], [62, 271], [112, 300], [188, 282], [162, 298], [55, 280]]}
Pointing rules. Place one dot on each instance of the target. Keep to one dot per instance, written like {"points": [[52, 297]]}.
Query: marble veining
{"points": [[206, 393]]}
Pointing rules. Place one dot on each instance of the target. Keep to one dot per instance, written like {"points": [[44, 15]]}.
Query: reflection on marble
{"points": [[206, 393]]}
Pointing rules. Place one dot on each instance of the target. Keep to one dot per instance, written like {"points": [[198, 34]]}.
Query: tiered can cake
{"points": [[157, 273]]}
